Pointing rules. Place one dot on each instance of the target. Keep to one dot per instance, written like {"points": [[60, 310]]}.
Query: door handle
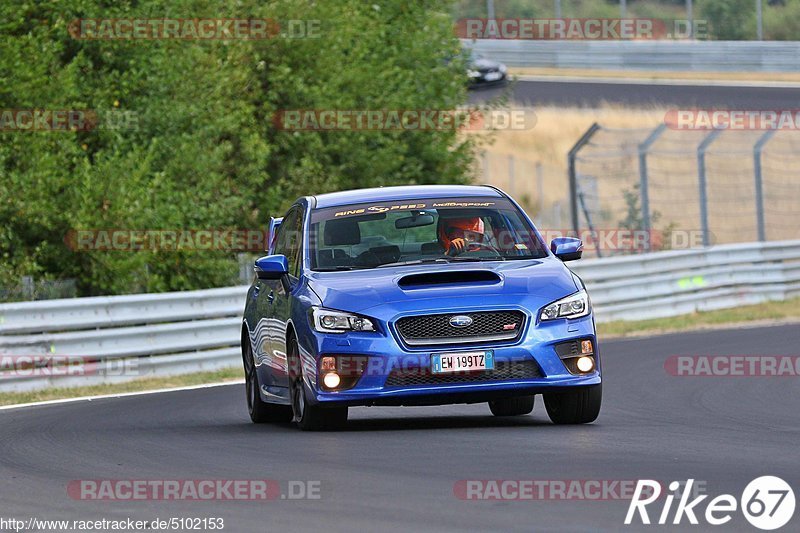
{"points": [[271, 296], [256, 290]]}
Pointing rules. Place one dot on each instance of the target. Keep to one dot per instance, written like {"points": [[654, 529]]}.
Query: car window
{"points": [[290, 239], [369, 236]]}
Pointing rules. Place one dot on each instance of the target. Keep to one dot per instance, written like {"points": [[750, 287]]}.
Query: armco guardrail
{"points": [[676, 282], [126, 337], [117, 338], [711, 56]]}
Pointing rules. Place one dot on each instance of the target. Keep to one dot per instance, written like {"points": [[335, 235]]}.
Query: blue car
{"points": [[417, 295]]}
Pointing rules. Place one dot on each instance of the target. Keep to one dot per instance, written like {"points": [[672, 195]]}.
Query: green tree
{"points": [[205, 152], [729, 20]]}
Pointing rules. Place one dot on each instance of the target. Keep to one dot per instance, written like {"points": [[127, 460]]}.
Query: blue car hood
{"points": [[525, 283]]}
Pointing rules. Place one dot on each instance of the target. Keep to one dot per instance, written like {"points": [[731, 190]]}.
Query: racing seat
{"points": [[431, 248], [386, 254], [344, 232], [330, 257]]}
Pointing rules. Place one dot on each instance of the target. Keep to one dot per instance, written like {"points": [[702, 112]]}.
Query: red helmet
{"points": [[454, 228]]}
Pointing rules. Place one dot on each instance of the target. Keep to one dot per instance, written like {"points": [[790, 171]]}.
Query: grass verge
{"points": [[765, 313], [199, 378]]}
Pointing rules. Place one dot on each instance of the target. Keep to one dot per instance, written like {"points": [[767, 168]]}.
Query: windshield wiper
{"points": [[338, 268], [442, 260], [415, 262], [474, 259]]}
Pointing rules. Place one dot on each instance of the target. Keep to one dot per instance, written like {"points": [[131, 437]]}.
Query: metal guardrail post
{"points": [[573, 177], [589, 223], [701, 180], [511, 178], [643, 178], [758, 148]]}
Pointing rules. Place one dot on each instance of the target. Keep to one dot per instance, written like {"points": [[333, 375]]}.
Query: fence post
{"points": [[643, 179], [758, 148], [540, 186], [511, 184], [28, 287], [701, 180], [573, 178]]}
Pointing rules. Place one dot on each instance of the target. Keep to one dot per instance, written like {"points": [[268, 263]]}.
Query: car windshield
{"points": [[395, 233]]}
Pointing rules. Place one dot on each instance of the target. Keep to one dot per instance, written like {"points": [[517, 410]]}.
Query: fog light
{"points": [[586, 347], [585, 364], [327, 364], [331, 380]]}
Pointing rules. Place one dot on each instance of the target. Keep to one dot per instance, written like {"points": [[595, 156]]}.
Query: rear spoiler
{"points": [[274, 224]]}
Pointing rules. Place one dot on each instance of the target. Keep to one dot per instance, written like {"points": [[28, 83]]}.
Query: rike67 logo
{"points": [[767, 503]]}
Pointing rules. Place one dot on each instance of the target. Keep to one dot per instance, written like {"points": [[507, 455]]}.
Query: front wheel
{"points": [[521, 405], [309, 417], [578, 407], [260, 411]]}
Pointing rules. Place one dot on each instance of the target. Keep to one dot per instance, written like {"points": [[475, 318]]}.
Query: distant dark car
{"points": [[484, 72]]}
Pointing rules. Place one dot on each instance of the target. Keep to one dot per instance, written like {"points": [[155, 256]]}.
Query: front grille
{"points": [[487, 326], [504, 371]]}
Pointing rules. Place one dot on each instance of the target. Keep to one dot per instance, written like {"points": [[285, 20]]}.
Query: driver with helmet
{"points": [[457, 234]]}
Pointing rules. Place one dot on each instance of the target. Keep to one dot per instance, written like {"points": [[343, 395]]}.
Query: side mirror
{"points": [[567, 248], [272, 267]]}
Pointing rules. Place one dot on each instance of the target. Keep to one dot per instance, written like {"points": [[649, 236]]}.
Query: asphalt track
{"points": [[395, 468], [593, 94]]}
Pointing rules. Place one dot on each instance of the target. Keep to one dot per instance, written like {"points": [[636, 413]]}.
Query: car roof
{"points": [[408, 192]]}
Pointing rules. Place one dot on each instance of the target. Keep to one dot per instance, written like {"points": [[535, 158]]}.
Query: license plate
{"points": [[462, 362], [493, 76]]}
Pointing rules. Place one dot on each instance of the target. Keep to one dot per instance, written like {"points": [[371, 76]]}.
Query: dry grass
{"points": [[555, 132], [765, 314], [557, 129], [775, 77], [729, 164]]}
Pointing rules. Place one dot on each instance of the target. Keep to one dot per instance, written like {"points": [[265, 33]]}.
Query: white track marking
{"points": [[657, 81], [119, 395]]}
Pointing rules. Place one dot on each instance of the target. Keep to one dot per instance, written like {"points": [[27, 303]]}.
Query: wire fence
{"points": [[30, 288], [540, 188], [688, 188]]}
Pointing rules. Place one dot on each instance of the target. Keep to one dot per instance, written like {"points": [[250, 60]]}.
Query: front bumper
{"points": [[536, 343]]}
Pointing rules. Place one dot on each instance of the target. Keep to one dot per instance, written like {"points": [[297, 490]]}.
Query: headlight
{"points": [[573, 306], [503, 69], [473, 74], [330, 321]]}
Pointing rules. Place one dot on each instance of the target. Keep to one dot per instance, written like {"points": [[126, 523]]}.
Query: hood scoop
{"points": [[453, 277]]}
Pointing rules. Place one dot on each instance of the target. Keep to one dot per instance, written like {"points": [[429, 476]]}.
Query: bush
{"points": [[782, 22], [729, 20], [205, 153]]}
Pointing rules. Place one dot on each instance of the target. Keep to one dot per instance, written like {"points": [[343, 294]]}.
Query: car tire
{"points": [[578, 407], [260, 411], [309, 417], [521, 405]]}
